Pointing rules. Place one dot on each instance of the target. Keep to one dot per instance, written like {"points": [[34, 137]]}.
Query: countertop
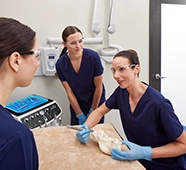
{"points": [[59, 149]]}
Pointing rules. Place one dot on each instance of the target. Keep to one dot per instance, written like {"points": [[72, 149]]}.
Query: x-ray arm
{"points": [[96, 17], [111, 24]]}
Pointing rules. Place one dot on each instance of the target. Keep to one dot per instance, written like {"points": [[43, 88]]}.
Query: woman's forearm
{"points": [[172, 149], [96, 97], [74, 103], [96, 115]]}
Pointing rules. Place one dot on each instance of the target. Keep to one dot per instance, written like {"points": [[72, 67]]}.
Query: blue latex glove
{"points": [[136, 152], [90, 111], [81, 118], [83, 135]]}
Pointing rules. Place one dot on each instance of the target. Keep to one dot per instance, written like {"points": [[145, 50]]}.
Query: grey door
{"points": [[168, 51]]}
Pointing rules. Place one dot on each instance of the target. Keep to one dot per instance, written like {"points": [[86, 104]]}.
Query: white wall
{"points": [[49, 17]]}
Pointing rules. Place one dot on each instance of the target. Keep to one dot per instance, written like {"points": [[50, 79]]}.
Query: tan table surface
{"points": [[59, 149]]}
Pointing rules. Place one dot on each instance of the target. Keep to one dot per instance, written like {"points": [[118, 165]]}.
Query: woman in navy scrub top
{"points": [[80, 72], [155, 135], [18, 63]]}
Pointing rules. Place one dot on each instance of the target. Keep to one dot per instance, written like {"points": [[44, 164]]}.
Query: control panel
{"points": [[47, 113]]}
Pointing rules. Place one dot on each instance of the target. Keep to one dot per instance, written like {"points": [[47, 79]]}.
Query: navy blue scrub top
{"points": [[153, 123], [82, 83], [17, 145]]}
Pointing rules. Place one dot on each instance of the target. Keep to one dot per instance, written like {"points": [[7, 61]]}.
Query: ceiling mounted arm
{"points": [[96, 17], [111, 24]]}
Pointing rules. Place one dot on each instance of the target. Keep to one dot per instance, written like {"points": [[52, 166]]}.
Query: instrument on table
{"points": [[77, 128]]}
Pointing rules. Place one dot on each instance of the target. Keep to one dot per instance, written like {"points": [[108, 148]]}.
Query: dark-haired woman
{"points": [[18, 63], [155, 135], [80, 72]]}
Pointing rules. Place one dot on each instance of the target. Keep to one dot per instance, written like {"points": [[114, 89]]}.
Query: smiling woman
{"points": [[80, 71], [148, 119], [17, 145]]}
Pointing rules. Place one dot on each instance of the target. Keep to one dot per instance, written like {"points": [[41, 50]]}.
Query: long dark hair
{"points": [[14, 36]]}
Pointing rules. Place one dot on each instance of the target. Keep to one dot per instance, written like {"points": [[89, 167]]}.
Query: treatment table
{"points": [[59, 149]]}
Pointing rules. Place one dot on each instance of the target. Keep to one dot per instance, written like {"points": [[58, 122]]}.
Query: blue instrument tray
{"points": [[26, 104]]}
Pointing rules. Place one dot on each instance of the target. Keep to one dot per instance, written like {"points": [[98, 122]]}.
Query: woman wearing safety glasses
{"points": [[18, 63], [80, 72], [155, 135]]}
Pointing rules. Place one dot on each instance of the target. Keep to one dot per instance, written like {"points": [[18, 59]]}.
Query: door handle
{"points": [[157, 76]]}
